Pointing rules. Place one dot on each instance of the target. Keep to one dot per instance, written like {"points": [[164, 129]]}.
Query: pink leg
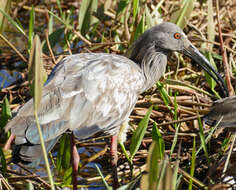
{"points": [[75, 162], [114, 159], [9, 142]]}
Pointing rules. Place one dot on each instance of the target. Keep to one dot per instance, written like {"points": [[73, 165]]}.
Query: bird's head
{"points": [[168, 37]]}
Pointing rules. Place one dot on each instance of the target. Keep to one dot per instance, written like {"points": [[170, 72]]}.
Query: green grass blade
{"points": [[122, 4], [209, 135], [125, 151], [103, 179], [178, 82], [202, 138], [70, 27], [174, 140], [176, 127], [60, 9], [50, 24], [181, 16], [164, 95], [175, 175], [209, 79], [138, 135], [31, 28], [67, 178], [29, 186], [4, 5], [86, 17], [192, 164], [3, 167], [37, 74], [36, 80], [6, 113], [15, 24], [135, 8], [140, 29]]}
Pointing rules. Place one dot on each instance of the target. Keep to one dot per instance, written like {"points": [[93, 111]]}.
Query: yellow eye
{"points": [[177, 35]]}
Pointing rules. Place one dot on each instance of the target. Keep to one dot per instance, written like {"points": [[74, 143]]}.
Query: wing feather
{"points": [[85, 93]]}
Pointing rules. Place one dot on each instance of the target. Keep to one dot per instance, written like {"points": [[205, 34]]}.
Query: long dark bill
{"points": [[194, 54]]}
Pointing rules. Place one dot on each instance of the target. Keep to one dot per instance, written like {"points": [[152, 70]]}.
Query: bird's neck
{"points": [[152, 63]]}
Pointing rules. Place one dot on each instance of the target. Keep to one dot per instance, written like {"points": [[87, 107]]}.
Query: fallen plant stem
{"points": [[13, 47], [223, 53]]}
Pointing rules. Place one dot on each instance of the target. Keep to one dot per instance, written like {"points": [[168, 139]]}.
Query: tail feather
{"points": [[31, 154]]}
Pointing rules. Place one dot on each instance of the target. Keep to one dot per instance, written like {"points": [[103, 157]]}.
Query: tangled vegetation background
{"points": [[173, 150]]}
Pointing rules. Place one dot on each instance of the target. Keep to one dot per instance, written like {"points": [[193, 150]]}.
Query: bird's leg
{"points": [[9, 142], [114, 159], [75, 161]]}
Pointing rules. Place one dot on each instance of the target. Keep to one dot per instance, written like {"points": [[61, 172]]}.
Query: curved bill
{"points": [[192, 52]]}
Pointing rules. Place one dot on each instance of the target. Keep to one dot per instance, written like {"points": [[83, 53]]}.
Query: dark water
{"points": [[7, 78]]}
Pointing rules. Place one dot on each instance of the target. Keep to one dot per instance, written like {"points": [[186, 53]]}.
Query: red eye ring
{"points": [[177, 35]]}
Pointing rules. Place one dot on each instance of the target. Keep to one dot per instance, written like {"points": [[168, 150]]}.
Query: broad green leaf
{"points": [[138, 135], [156, 170], [37, 74], [86, 17], [181, 16], [153, 164], [67, 178], [63, 155], [6, 113], [156, 136]]}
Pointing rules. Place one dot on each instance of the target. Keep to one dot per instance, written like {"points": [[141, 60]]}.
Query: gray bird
{"points": [[223, 110], [89, 93]]}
